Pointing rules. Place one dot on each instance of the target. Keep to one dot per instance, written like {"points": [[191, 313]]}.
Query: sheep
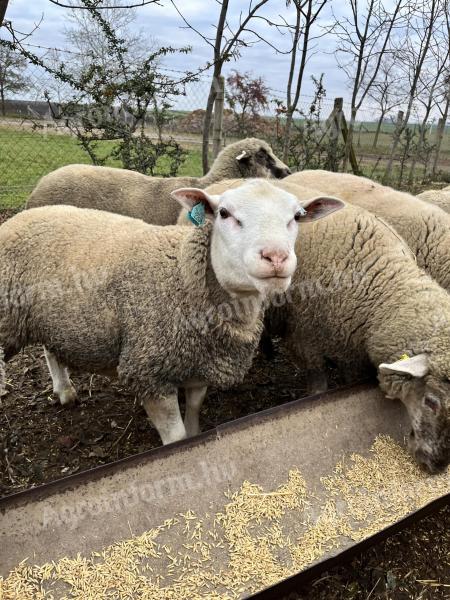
{"points": [[359, 299], [440, 198], [148, 198], [368, 303], [161, 307], [424, 227]]}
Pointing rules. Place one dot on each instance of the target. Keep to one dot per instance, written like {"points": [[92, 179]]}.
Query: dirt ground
{"points": [[40, 441]]}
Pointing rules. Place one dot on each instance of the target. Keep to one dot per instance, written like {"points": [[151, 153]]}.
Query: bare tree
{"points": [[443, 101], [430, 81], [88, 39], [100, 5], [225, 45], [443, 107], [385, 92], [12, 74], [363, 40], [306, 14], [413, 50], [113, 102]]}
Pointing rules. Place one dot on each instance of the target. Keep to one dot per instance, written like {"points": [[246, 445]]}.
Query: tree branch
{"points": [[133, 5], [189, 26], [242, 27]]}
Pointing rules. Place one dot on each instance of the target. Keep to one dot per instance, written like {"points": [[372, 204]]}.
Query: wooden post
{"points": [[359, 134], [342, 123], [332, 130], [334, 120], [218, 116], [336, 124], [399, 122], [439, 136], [397, 132], [3, 7]]}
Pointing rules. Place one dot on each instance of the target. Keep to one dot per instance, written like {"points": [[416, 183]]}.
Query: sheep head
{"points": [[254, 230], [257, 159], [427, 399]]}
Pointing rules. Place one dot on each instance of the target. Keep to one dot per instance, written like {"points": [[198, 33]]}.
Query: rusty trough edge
{"points": [[71, 481]]}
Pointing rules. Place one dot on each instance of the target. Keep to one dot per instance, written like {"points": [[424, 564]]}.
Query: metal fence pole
{"points": [[218, 117]]}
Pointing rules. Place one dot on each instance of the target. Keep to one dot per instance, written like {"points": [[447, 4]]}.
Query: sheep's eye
{"points": [[224, 213], [432, 403]]}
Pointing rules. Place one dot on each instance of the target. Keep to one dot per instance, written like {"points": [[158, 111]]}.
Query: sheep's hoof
{"points": [[68, 396]]}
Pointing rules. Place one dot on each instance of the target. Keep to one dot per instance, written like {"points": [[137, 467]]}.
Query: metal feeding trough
{"points": [[170, 490]]}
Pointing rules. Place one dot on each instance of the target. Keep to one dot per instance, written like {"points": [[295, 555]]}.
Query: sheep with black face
{"points": [[148, 198]]}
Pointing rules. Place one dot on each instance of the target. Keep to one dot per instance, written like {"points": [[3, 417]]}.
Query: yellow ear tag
{"points": [[404, 357]]}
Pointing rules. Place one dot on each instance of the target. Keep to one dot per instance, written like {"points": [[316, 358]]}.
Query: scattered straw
{"points": [[383, 488], [250, 544]]}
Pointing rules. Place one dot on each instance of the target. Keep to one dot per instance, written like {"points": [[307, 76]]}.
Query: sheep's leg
{"points": [[164, 413], [316, 381], [194, 401], [62, 386]]}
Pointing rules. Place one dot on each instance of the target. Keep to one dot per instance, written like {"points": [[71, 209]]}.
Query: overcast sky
{"points": [[164, 25]]}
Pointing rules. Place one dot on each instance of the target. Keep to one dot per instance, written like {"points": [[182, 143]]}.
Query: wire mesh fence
{"points": [[34, 140]]}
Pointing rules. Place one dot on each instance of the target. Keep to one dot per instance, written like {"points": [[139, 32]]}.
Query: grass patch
{"points": [[25, 156]]}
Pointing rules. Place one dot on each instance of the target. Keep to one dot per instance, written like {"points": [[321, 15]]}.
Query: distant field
{"points": [[26, 156]]}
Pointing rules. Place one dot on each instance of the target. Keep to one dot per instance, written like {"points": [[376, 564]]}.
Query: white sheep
{"points": [[440, 198], [424, 227], [163, 307], [148, 198], [359, 299]]}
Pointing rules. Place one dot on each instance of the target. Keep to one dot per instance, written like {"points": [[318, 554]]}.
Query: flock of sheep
{"points": [[177, 288]]}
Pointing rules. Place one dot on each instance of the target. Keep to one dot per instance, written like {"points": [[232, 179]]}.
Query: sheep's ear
{"points": [[190, 197], [320, 207], [417, 366], [243, 156]]}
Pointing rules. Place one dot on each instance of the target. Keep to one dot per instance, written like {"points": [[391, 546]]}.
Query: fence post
{"points": [[359, 134], [397, 134], [439, 136], [3, 7], [335, 117], [342, 123], [332, 129], [218, 116]]}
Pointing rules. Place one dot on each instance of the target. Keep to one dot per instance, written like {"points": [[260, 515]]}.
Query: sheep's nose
{"points": [[275, 257], [281, 172]]}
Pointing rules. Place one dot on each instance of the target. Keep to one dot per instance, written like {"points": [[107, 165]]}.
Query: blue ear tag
{"points": [[197, 214], [302, 211]]}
